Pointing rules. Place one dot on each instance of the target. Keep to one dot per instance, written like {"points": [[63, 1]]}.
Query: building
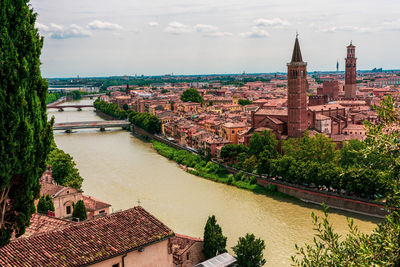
{"points": [[297, 98], [351, 72], [64, 198], [186, 250], [128, 238]]}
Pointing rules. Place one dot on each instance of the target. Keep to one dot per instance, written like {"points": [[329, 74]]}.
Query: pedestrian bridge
{"points": [[102, 125]]}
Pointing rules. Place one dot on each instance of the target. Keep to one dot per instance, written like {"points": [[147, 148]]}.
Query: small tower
{"points": [[297, 98], [337, 65], [127, 90], [351, 72]]}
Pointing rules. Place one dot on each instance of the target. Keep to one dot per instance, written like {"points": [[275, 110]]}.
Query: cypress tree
{"points": [[80, 211], [25, 134], [214, 240]]}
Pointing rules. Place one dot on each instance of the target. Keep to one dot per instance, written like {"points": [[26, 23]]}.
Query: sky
{"points": [[93, 38]]}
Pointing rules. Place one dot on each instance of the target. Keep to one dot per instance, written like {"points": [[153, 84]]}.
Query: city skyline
{"points": [[207, 38]]}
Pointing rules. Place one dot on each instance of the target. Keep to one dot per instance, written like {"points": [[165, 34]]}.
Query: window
{"points": [[102, 211], [188, 256], [68, 209], [115, 265]]}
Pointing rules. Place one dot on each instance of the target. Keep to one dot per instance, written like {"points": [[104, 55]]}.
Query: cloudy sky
{"points": [[127, 37]]}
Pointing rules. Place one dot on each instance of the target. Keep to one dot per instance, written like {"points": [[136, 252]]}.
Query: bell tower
{"points": [[297, 97], [351, 72]]}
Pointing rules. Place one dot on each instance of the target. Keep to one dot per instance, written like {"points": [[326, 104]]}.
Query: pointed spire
{"points": [[296, 57]]}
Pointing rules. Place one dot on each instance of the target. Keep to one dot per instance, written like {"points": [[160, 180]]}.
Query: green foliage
{"points": [[125, 107], [25, 133], [264, 141], [382, 247], [250, 164], [230, 152], [79, 211], [76, 94], [52, 97], [191, 95], [318, 148], [146, 121], [244, 102], [164, 91], [214, 240], [249, 251], [64, 169], [45, 204], [110, 109]]}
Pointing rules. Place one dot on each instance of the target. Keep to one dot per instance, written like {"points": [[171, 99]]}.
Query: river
{"points": [[122, 170]]}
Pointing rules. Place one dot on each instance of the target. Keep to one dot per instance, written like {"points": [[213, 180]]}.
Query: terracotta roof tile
{"points": [[93, 204], [41, 223], [87, 242]]}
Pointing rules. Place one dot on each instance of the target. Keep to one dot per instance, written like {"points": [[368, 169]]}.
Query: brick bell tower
{"points": [[297, 98], [351, 72]]}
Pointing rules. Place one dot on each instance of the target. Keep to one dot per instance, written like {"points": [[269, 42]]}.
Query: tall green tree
{"points": [[191, 95], [249, 251], [45, 204], [260, 142], [80, 211], [64, 169], [214, 240], [25, 133]]}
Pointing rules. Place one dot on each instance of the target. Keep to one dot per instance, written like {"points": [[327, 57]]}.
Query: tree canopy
{"points": [[249, 251], [25, 133], [214, 240], [64, 169], [45, 204], [79, 211], [191, 95]]}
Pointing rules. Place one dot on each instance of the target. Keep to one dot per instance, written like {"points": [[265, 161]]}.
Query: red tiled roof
{"points": [[41, 223], [180, 243], [50, 189], [93, 204], [87, 242]]}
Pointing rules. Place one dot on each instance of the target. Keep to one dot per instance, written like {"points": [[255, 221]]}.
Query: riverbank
{"points": [[260, 184], [197, 166]]}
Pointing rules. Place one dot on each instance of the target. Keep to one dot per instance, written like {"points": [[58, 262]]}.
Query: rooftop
{"points": [[89, 241]]}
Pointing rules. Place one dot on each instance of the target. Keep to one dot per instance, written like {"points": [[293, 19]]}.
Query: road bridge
{"points": [[102, 125], [61, 107]]}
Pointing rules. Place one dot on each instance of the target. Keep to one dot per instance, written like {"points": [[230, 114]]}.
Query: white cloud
{"points": [[275, 22], [205, 28], [103, 25], [393, 25], [334, 29], [259, 27], [56, 31], [210, 31], [255, 32], [218, 34], [177, 28], [154, 24]]}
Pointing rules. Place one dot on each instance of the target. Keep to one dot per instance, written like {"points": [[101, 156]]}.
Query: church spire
{"points": [[296, 57]]}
